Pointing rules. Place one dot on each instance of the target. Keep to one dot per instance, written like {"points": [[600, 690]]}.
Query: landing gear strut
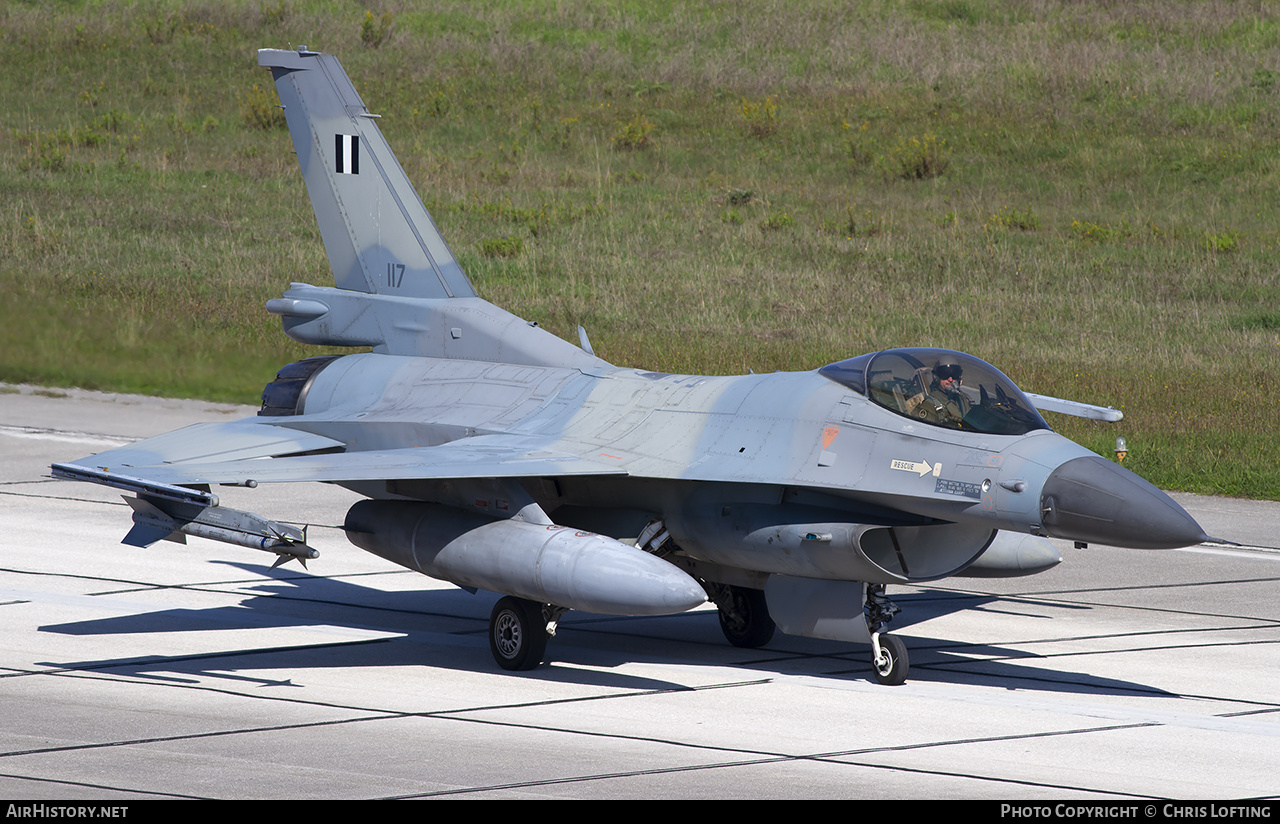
{"points": [[518, 632], [888, 653]]}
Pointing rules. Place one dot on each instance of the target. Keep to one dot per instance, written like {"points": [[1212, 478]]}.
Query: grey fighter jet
{"points": [[497, 456]]}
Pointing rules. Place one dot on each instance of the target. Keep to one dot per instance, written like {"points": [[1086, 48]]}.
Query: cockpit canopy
{"points": [[941, 388]]}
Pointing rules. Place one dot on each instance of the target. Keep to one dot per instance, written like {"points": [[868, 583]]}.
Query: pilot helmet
{"points": [[947, 368]]}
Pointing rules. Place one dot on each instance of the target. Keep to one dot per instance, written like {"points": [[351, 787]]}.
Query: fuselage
{"points": [[739, 468]]}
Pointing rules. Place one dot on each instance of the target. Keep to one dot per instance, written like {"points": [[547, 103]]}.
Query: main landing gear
{"points": [[744, 616], [519, 630]]}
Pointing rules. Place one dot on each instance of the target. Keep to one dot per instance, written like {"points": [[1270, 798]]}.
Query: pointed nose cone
{"points": [[1093, 500]]}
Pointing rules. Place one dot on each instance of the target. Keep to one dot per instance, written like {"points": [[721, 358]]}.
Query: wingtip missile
{"points": [[155, 520]]}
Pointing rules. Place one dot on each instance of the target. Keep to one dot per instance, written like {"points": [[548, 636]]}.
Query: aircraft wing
{"points": [[249, 452], [226, 441]]}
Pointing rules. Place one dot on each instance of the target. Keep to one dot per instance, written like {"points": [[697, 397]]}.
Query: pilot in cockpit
{"points": [[945, 399]]}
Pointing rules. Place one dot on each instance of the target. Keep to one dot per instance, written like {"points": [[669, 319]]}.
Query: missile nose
{"points": [[1093, 500]]}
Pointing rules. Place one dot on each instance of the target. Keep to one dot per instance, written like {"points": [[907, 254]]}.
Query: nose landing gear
{"points": [[889, 659], [888, 654]]}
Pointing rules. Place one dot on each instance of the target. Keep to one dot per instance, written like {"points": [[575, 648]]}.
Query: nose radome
{"points": [[1093, 500]]}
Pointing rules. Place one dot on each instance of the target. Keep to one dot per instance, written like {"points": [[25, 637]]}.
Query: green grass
{"points": [[1083, 194]]}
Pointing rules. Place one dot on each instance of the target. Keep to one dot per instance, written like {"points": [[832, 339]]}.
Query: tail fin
{"points": [[377, 233]]}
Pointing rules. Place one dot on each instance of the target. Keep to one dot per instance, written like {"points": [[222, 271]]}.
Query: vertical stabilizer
{"points": [[377, 233]]}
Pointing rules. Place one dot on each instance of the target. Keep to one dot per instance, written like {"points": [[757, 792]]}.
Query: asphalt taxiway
{"points": [[197, 672]]}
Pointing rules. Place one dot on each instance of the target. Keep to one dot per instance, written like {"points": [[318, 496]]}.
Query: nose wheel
{"points": [[888, 653], [889, 659]]}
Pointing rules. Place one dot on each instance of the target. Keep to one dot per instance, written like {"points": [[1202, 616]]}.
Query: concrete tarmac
{"points": [[197, 672]]}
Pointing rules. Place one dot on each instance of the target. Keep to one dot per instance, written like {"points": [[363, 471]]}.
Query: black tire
{"points": [[749, 625], [891, 669], [517, 634]]}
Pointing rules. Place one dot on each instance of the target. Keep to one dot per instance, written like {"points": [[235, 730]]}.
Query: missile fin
{"points": [[284, 558], [144, 535]]}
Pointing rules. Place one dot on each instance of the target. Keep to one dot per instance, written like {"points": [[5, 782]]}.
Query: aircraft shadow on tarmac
{"points": [[448, 628]]}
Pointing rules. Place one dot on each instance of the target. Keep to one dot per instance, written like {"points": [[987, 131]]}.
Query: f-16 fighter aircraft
{"points": [[497, 456]]}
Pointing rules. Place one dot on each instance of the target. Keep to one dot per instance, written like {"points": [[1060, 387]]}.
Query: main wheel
{"points": [[517, 633], [747, 624], [892, 665]]}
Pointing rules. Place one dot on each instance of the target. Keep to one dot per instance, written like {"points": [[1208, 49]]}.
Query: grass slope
{"points": [[1082, 194]]}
